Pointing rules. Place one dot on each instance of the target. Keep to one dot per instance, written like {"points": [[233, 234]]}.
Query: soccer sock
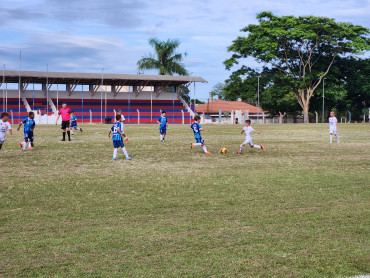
{"points": [[336, 135], [69, 134], [114, 153], [331, 138], [197, 144], [64, 135], [204, 148], [257, 146], [164, 135], [161, 136], [125, 152], [24, 145], [72, 131], [29, 144], [241, 148]]}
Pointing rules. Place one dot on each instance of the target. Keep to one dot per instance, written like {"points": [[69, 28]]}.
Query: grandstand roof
{"points": [[12, 76], [226, 106]]}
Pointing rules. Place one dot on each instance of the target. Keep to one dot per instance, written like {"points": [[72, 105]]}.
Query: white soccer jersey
{"points": [[4, 126], [123, 119], [333, 121], [333, 125], [248, 132]]}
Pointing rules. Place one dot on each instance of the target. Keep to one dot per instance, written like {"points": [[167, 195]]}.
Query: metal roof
{"points": [[12, 76]]}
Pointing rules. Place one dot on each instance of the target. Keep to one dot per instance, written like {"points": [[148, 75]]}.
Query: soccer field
{"points": [[298, 209]]}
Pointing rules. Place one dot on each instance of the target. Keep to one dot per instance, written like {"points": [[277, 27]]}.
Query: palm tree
{"points": [[165, 59]]}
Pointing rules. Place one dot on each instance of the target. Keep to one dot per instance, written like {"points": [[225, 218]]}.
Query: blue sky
{"points": [[87, 35]]}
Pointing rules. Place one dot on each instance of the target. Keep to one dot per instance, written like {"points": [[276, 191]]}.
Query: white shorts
{"points": [[333, 130], [248, 142]]}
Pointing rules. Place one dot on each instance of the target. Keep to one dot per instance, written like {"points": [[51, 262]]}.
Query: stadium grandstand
{"points": [[95, 97]]}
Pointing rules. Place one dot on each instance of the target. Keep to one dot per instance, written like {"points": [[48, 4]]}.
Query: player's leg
{"points": [[164, 132], [125, 151], [30, 140], [336, 135], [114, 153], [23, 144], [72, 130], [331, 137], [257, 146], [1, 145], [241, 147], [68, 132], [205, 149]]}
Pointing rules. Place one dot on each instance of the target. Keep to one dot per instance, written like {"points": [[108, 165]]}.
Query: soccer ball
{"points": [[223, 150]]}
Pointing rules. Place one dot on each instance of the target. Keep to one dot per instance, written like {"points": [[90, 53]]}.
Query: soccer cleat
{"points": [[63, 140], [262, 147], [81, 129], [31, 148], [207, 153], [20, 144], [126, 140], [238, 152], [113, 158], [69, 139], [128, 158], [192, 145]]}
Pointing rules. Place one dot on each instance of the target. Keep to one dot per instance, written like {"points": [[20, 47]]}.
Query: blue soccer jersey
{"points": [[196, 128], [163, 122], [73, 121], [28, 124], [116, 135]]}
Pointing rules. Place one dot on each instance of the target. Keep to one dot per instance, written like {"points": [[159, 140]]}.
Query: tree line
{"points": [[301, 59]]}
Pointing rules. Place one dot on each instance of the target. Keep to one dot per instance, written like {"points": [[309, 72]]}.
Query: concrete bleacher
{"points": [[40, 105], [149, 113], [13, 108]]}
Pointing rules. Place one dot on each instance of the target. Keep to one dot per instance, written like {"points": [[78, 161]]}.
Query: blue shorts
{"points": [[73, 124], [118, 144], [199, 140], [162, 130], [28, 136]]}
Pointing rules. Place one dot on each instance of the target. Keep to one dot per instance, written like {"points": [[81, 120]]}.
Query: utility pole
{"points": [[323, 98], [258, 98]]}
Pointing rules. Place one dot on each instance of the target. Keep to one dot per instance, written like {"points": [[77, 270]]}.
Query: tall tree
{"points": [[165, 59], [303, 49]]}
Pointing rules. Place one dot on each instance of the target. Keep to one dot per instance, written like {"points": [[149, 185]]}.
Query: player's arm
{"points": [[242, 131], [120, 132], [110, 131], [202, 129], [33, 127], [19, 126], [56, 122], [11, 131], [337, 125], [256, 131]]}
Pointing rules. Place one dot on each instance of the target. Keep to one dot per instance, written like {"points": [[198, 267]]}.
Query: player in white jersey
{"points": [[333, 126], [4, 127], [119, 112], [248, 130]]}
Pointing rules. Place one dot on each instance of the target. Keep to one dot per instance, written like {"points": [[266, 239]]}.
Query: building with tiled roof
{"points": [[214, 107]]}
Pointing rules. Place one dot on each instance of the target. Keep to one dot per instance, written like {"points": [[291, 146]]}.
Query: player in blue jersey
{"points": [[29, 126], [198, 138], [73, 123], [163, 123], [117, 138]]}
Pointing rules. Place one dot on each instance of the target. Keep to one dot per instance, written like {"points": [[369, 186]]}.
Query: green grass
{"points": [[300, 209]]}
